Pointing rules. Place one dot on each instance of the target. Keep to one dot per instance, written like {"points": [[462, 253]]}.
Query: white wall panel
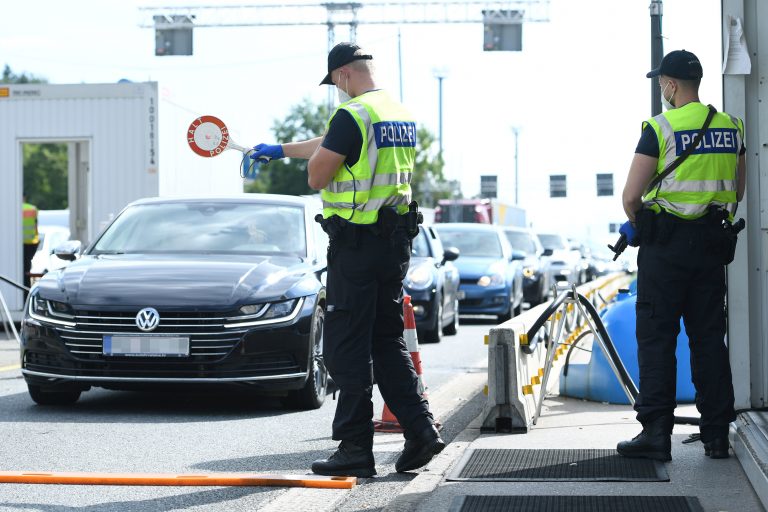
{"points": [[124, 140]]}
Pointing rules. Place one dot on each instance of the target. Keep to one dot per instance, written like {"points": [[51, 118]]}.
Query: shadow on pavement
{"points": [[99, 406], [167, 503]]}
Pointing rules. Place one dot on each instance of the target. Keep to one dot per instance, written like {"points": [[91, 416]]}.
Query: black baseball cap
{"points": [[341, 55], [679, 64]]}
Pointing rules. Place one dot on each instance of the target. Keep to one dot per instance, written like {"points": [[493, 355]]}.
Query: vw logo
{"points": [[147, 319]]}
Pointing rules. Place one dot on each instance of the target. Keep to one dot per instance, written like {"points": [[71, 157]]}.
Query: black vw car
{"points": [[185, 292]]}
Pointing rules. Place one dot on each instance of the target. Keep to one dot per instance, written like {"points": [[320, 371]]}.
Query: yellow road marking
{"points": [[9, 368]]}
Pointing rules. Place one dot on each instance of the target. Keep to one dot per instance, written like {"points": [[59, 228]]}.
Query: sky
{"points": [[577, 93]]}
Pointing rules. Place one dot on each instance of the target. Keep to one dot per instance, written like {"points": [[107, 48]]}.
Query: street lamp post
{"points": [[516, 131], [657, 52], [440, 74]]}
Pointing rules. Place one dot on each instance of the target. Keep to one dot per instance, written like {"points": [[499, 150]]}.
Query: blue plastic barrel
{"points": [[596, 381]]}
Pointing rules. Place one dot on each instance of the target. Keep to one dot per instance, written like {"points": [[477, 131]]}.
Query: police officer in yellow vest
{"points": [[30, 235], [682, 226], [363, 165]]}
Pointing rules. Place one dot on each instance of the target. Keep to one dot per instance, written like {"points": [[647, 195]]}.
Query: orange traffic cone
{"points": [[388, 421]]}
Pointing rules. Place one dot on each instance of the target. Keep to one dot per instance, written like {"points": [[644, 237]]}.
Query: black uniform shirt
{"points": [[344, 137]]}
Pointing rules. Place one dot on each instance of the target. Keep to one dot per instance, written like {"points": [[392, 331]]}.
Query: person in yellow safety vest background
{"points": [[364, 164], [30, 235], [682, 223]]}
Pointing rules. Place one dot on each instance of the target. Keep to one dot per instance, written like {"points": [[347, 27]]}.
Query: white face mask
{"points": [[667, 102], [343, 95]]}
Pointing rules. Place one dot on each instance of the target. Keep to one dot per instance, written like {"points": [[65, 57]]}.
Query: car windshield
{"points": [[521, 241], [484, 244], [552, 242], [420, 246], [206, 227]]}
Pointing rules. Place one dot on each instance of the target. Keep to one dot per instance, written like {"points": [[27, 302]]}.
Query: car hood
{"points": [[473, 267], [165, 281]]}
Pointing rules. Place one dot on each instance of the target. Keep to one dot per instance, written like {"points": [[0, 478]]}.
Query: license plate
{"points": [[146, 346]]}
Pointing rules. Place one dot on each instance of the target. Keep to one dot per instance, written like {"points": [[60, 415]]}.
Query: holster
{"points": [[725, 234], [333, 226], [645, 224]]}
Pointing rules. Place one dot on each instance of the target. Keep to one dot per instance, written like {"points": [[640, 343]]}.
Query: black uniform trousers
{"points": [[681, 276], [364, 332]]}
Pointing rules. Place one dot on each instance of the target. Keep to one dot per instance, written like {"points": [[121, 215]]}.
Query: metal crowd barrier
{"points": [[6, 313], [524, 352]]}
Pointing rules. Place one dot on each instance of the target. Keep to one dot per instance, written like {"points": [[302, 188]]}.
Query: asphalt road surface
{"points": [[165, 432]]}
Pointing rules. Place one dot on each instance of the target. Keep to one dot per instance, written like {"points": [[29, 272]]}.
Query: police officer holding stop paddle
{"points": [[363, 165]]}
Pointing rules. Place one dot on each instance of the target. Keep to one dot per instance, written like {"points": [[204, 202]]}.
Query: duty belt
{"points": [[388, 221]]}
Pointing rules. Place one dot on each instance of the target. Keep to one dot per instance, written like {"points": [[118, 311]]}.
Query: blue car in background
{"points": [[433, 284], [491, 271], [537, 275]]}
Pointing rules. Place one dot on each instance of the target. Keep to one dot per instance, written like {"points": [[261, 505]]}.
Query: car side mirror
{"points": [[547, 252], [69, 250], [517, 255], [450, 254]]}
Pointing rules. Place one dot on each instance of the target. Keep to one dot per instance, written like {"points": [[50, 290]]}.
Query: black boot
{"points": [[420, 450], [348, 460], [717, 448], [654, 442]]}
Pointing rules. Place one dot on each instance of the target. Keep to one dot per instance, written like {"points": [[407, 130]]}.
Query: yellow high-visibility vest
{"points": [[381, 177], [29, 224], [709, 175]]}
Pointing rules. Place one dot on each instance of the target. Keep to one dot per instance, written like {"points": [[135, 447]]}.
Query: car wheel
{"points": [[312, 395], [52, 397], [453, 327], [434, 335], [506, 316]]}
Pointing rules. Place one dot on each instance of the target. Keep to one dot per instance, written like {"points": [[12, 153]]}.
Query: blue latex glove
{"points": [[629, 232], [264, 153]]}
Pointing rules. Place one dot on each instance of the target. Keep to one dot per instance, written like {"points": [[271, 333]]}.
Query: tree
{"points": [[428, 182], [307, 120], [289, 176], [9, 77], [45, 175]]}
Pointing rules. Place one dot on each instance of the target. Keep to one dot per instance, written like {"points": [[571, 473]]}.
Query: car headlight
{"points": [[491, 280], [419, 277], [51, 311], [266, 313]]}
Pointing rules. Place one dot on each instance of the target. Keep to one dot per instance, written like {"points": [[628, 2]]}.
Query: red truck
{"points": [[483, 211]]}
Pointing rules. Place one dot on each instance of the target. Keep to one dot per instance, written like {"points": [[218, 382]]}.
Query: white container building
{"points": [[124, 143]]}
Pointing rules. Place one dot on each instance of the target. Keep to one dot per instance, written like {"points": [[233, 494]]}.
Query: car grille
{"points": [[208, 339], [261, 365]]}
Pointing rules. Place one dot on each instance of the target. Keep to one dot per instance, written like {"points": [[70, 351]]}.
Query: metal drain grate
{"points": [[576, 504], [494, 465]]}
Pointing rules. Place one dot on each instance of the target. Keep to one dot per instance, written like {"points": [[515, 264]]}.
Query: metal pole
{"points": [[657, 52], [400, 63], [440, 114], [331, 40], [516, 131]]}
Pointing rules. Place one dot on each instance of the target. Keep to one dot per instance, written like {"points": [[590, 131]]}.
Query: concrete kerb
{"points": [[508, 372]]}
